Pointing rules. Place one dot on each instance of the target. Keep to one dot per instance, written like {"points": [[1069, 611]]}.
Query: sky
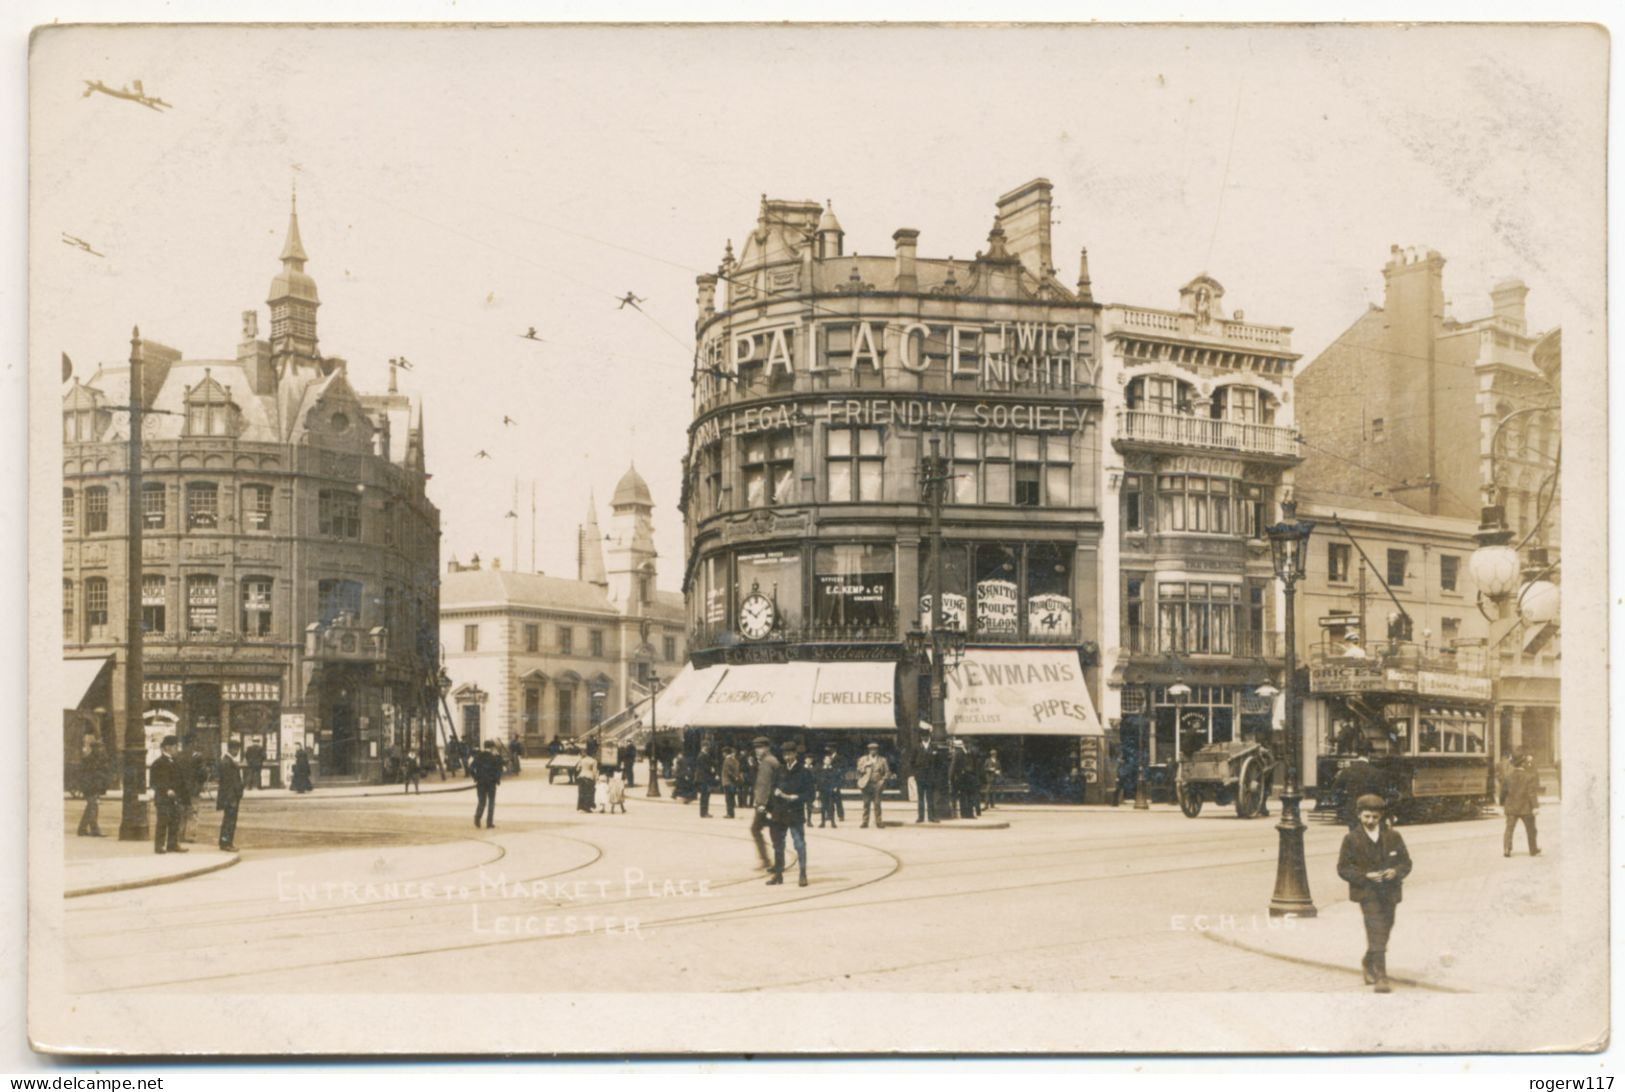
{"points": [[457, 186]]}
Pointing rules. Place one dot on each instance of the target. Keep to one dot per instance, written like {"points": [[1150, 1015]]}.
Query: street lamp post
{"points": [[654, 734], [940, 645], [1142, 792], [1289, 546], [132, 825]]}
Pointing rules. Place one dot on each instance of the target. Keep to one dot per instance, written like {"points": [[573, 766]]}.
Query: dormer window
{"points": [[209, 409]]}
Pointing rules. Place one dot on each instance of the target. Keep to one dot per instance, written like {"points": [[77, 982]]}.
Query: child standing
{"points": [[617, 793]]}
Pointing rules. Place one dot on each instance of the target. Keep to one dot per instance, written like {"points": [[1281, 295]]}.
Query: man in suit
{"points": [[1520, 799], [228, 796], [730, 779], [194, 776], [787, 812], [254, 754], [705, 777], [768, 771], [1374, 862], [95, 775], [486, 770], [168, 799], [873, 773], [627, 755], [930, 762]]}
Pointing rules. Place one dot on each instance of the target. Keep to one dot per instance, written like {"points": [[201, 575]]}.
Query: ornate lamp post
{"points": [[1289, 547]]}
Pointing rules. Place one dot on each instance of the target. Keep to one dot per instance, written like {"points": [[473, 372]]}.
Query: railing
{"points": [[1205, 432], [1248, 644], [1184, 324], [1405, 656], [1150, 320], [1055, 628]]}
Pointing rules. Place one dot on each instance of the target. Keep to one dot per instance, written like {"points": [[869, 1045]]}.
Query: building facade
{"points": [[1452, 418], [1204, 443], [289, 552], [535, 658], [823, 379]]}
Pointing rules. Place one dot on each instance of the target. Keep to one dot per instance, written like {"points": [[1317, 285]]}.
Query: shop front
{"points": [[1031, 708]]}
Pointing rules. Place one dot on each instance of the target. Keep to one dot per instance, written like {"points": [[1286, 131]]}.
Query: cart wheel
{"points": [[1190, 800], [1249, 790]]}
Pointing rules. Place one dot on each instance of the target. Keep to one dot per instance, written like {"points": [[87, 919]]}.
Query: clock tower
{"points": [[630, 559]]}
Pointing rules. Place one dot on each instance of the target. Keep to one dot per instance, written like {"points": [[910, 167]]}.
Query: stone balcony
{"points": [[1182, 431]]}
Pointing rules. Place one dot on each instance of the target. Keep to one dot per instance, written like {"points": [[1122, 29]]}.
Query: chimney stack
{"points": [[908, 242], [1507, 299], [1024, 214]]}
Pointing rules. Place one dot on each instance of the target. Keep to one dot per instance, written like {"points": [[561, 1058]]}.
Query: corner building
{"points": [[822, 378], [288, 585]]}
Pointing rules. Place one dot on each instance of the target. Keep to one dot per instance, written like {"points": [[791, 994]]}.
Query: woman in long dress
{"points": [[301, 771], [587, 783]]}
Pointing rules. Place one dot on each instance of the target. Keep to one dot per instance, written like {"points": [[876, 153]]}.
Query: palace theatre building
{"points": [[822, 379]]}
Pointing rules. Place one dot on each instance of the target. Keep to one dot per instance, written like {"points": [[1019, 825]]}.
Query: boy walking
{"points": [[1374, 862]]}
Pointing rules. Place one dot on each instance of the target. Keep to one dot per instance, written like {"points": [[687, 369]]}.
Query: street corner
{"points": [[133, 865]]}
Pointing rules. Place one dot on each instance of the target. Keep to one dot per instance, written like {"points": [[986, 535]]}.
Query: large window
{"points": [[1135, 636], [67, 610], [154, 506], [709, 478], [339, 513], [256, 606], [1337, 562], [154, 603], [338, 597], [1159, 394], [1244, 405], [854, 585], [769, 469], [1027, 469], [202, 506], [1049, 591], [68, 509], [1212, 506], [955, 582], [775, 574], [256, 502], [95, 609], [1449, 568], [997, 568], [1133, 502], [1397, 562], [202, 605], [1197, 617], [95, 509], [856, 464]]}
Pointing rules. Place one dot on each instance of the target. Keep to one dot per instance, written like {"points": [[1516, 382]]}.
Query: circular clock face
{"points": [[756, 616]]}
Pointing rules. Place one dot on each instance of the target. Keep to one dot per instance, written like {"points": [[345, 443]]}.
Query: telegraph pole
{"points": [[133, 819], [935, 481]]}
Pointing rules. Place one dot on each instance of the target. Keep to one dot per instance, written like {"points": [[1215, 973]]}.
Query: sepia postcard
{"points": [[716, 539]]}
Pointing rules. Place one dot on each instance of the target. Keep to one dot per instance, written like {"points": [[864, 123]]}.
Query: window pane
{"points": [[1058, 485], [840, 481], [997, 480], [755, 487], [964, 445], [964, 483], [784, 484], [782, 445], [869, 441], [1058, 448], [1027, 447], [869, 479], [998, 445], [840, 441]]}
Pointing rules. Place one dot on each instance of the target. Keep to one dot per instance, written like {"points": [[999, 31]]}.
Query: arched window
{"points": [[1161, 394], [95, 609], [202, 506]]}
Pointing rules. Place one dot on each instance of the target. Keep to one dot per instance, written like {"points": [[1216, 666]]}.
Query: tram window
{"points": [[1430, 740]]}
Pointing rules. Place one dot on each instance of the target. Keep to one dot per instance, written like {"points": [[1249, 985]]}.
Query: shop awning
{"points": [[854, 695], [1019, 692], [839, 696], [79, 677], [677, 700]]}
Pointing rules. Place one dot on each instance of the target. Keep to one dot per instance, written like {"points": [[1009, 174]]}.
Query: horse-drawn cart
{"points": [[1226, 773]]}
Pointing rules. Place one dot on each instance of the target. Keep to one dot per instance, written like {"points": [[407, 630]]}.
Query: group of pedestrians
{"points": [[954, 777], [178, 779]]}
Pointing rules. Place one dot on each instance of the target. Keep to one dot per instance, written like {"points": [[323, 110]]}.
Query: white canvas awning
{"points": [[676, 701], [754, 695], [854, 695], [1019, 692], [78, 676]]}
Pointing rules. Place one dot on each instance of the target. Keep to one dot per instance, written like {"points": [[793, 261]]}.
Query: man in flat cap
{"points": [[768, 774], [1374, 862], [1520, 797]]}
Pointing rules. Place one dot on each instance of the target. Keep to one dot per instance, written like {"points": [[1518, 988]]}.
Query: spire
{"points": [[293, 250], [1085, 289], [590, 548]]}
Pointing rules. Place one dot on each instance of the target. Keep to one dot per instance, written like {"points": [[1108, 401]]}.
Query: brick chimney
{"points": [[1024, 214]]}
